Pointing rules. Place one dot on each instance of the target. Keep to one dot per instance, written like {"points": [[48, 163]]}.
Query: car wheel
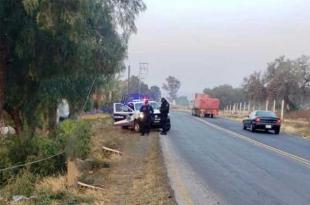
{"points": [[136, 126], [252, 128], [244, 127], [277, 131]]}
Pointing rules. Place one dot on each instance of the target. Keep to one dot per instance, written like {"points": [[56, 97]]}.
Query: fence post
{"points": [[267, 105], [249, 106], [282, 110], [274, 106]]}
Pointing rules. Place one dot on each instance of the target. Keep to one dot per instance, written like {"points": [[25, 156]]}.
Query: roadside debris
{"points": [[112, 150], [90, 186], [18, 198]]}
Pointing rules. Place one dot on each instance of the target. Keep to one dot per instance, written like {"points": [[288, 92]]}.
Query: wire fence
{"points": [[30, 163]]}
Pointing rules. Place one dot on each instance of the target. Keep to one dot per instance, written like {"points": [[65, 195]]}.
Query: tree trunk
{"points": [[52, 114], [3, 69], [72, 173], [15, 115]]}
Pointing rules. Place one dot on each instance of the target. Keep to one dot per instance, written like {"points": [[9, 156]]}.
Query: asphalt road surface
{"points": [[214, 161]]}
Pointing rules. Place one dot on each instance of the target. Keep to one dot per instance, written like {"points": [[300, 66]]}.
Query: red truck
{"points": [[205, 106]]}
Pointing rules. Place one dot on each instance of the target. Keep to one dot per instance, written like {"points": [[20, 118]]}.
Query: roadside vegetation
{"points": [[137, 176], [49, 50], [284, 79], [71, 139]]}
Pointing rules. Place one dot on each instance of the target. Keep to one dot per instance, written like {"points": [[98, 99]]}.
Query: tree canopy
{"points": [[284, 79], [226, 94], [54, 49], [172, 86], [137, 86]]}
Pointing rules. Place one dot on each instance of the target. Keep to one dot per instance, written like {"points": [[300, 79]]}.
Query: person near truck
{"points": [[146, 121], [164, 111]]}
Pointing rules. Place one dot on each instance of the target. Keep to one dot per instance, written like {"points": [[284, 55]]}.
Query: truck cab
{"points": [[129, 116]]}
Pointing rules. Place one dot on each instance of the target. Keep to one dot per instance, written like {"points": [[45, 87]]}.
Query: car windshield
{"points": [[265, 114], [154, 105], [138, 106]]}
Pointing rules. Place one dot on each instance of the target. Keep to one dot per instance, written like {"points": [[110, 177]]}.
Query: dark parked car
{"points": [[262, 120]]}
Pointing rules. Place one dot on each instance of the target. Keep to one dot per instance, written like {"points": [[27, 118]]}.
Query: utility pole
{"points": [[143, 71]]}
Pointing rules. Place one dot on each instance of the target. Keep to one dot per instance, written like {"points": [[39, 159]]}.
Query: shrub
{"points": [[27, 148], [45, 147], [74, 137], [71, 136]]}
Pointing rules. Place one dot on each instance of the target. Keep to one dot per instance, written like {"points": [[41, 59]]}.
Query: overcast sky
{"points": [[205, 43]]}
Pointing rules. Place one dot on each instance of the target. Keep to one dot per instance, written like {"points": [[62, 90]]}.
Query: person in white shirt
{"points": [[63, 110]]}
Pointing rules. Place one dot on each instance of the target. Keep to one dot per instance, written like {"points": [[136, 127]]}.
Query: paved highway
{"points": [[214, 161]]}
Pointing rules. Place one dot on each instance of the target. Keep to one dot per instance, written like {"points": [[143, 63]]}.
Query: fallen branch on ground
{"points": [[89, 186], [112, 150]]}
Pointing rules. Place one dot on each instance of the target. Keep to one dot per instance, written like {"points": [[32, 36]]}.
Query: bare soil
{"points": [[138, 176]]}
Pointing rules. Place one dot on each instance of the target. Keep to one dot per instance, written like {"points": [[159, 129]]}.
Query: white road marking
{"points": [[257, 143]]}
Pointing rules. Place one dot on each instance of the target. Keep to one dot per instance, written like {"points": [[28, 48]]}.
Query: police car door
{"points": [[121, 112]]}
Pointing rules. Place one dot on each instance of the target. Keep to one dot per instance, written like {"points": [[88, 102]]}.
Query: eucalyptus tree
{"points": [[54, 49]]}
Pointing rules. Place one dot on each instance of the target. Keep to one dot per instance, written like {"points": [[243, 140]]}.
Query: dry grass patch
{"points": [[136, 177]]}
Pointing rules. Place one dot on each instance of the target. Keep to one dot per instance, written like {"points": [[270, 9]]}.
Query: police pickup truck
{"points": [[129, 115]]}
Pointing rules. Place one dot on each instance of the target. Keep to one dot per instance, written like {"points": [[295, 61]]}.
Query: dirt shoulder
{"points": [[138, 176]]}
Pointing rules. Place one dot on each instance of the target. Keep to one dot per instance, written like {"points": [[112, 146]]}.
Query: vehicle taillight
{"points": [[278, 121], [257, 119]]}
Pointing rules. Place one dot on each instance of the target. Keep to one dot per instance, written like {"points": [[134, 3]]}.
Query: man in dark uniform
{"points": [[164, 110], [146, 121]]}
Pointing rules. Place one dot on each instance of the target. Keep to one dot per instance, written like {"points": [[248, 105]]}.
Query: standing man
{"points": [[146, 120], [63, 110], [164, 111]]}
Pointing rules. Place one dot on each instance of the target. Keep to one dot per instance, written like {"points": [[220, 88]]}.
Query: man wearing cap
{"points": [[146, 121], [164, 111]]}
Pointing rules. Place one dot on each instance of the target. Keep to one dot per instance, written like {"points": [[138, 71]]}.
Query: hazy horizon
{"points": [[208, 43]]}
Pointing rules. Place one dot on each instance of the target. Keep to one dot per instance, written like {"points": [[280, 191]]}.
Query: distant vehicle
{"points": [[129, 116], [263, 120], [205, 106]]}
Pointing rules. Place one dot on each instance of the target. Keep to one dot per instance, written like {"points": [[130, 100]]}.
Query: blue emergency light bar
{"points": [[133, 98]]}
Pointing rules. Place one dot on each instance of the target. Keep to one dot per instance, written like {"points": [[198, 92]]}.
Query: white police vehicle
{"points": [[129, 116]]}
